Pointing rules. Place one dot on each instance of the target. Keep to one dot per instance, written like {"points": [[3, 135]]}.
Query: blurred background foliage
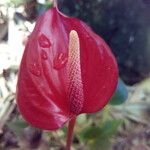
{"points": [[121, 125]]}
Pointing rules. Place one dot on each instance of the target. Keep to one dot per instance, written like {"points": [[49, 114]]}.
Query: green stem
{"points": [[70, 133]]}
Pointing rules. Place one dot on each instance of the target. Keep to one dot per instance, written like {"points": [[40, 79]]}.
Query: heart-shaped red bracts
{"points": [[66, 70]]}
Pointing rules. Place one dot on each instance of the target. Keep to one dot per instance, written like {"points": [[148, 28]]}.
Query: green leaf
{"points": [[110, 127], [100, 144], [17, 126], [105, 130], [120, 95], [89, 133], [99, 137]]}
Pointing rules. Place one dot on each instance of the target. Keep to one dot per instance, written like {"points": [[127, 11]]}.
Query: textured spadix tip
{"points": [[73, 34], [74, 39]]}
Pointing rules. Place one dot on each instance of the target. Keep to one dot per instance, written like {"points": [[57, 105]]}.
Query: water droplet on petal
{"points": [[44, 41], [60, 61], [34, 69], [44, 55], [109, 68]]}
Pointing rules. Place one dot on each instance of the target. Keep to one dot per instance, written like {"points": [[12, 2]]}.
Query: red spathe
{"points": [[42, 95]]}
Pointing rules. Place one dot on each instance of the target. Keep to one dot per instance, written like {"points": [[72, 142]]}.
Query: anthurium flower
{"points": [[66, 70]]}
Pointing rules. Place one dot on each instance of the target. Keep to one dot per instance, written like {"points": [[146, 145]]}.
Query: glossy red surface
{"points": [[42, 94]]}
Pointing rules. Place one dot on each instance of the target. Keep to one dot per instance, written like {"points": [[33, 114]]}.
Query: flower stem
{"points": [[70, 133]]}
